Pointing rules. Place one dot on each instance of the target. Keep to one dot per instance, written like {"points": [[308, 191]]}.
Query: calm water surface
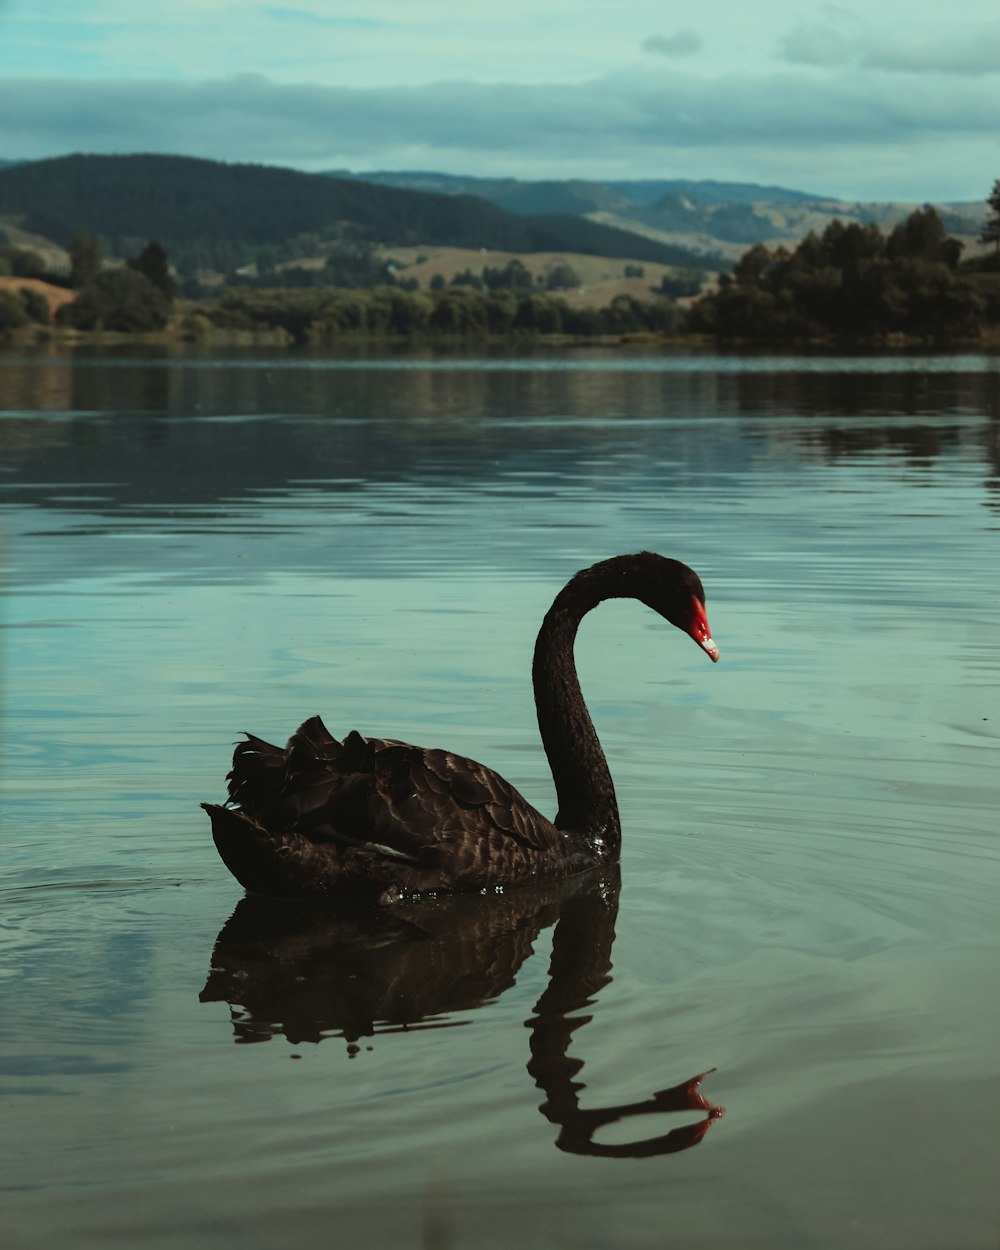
{"points": [[808, 893]]}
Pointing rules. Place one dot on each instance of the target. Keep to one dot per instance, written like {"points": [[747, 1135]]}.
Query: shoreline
{"points": [[179, 335]]}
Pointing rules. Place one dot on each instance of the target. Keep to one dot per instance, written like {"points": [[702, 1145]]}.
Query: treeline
{"points": [[206, 212], [851, 282], [321, 316], [854, 282], [22, 308]]}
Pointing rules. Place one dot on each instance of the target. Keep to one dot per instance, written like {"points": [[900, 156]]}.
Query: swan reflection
{"points": [[306, 971]]}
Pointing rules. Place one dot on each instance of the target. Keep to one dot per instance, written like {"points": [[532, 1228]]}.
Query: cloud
{"points": [[912, 50], [954, 51], [834, 134], [681, 43], [813, 43]]}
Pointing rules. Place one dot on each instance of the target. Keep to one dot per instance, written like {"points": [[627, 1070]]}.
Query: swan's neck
{"points": [[583, 782]]}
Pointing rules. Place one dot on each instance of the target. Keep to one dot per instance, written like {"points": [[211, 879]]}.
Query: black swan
{"points": [[372, 815]]}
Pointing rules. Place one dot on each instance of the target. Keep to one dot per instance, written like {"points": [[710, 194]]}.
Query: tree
{"points": [[991, 229], [20, 262], [541, 314], [468, 278], [354, 263], [562, 277], [153, 264], [849, 281], [683, 283], [922, 237], [17, 308], [35, 305], [13, 314], [118, 299], [85, 258], [513, 277]]}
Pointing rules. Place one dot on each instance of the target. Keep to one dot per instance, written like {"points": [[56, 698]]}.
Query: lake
{"points": [[196, 545]]}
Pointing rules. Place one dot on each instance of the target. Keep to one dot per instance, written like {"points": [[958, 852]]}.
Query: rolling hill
{"points": [[708, 217], [200, 210], [579, 196]]}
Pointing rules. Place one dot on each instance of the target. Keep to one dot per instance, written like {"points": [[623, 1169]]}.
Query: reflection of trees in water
{"points": [[308, 972], [141, 429], [816, 393], [993, 451], [916, 444], [882, 404]]}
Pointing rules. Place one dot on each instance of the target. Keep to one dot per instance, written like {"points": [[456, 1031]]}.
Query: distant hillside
{"points": [[707, 191], [198, 209], [578, 196], [573, 195], [706, 216]]}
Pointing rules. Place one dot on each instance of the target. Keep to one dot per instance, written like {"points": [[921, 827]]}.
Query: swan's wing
{"points": [[418, 806], [445, 800]]}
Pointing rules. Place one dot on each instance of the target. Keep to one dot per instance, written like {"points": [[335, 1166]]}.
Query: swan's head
{"points": [[676, 593], [667, 586]]}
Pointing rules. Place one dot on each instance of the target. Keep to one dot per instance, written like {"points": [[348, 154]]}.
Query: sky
{"points": [[872, 102]]}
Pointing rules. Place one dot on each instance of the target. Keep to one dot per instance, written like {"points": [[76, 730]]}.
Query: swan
{"points": [[375, 816]]}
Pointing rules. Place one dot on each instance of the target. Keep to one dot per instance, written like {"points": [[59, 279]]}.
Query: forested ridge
{"points": [[215, 215]]}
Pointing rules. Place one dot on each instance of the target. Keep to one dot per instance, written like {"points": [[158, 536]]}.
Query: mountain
{"points": [[200, 210]]}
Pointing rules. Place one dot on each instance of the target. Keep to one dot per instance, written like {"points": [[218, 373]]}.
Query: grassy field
{"points": [[601, 277], [56, 295]]}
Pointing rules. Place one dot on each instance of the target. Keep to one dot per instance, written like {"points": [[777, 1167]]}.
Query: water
{"points": [[196, 545]]}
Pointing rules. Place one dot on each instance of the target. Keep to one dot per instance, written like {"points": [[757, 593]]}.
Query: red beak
{"points": [[699, 631]]}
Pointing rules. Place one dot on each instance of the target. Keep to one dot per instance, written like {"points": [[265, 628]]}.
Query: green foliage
{"points": [[21, 308], [153, 264], [85, 259], [36, 306], [683, 283], [922, 237], [459, 311], [213, 215], [20, 262], [850, 282], [326, 315], [564, 277], [512, 277], [353, 263], [468, 278], [117, 299], [540, 314], [320, 315], [13, 314]]}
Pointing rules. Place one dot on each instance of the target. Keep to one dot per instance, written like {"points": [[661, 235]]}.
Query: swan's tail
{"points": [[247, 850], [294, 811]]}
